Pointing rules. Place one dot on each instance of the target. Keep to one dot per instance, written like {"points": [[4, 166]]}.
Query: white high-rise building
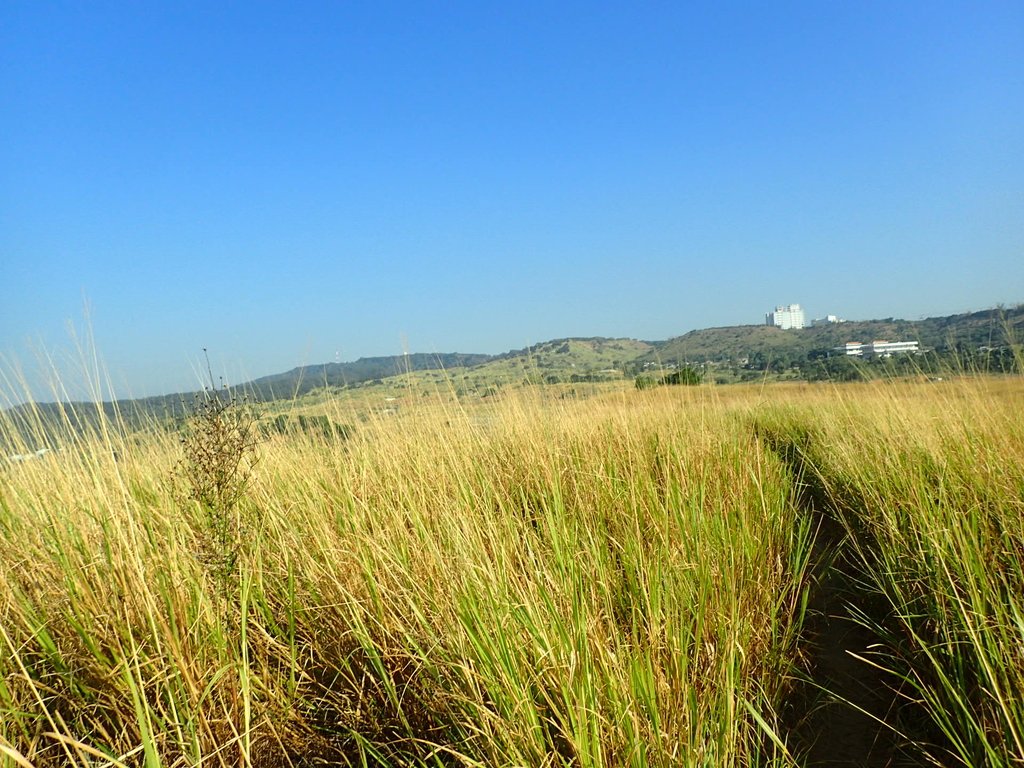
{"points": [[786, 317]]}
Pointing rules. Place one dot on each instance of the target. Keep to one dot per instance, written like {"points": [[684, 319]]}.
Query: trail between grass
{"points": [[836, 715], [845, 699]]}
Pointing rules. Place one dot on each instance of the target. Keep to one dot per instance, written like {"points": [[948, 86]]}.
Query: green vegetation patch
{"points": [[310, 425]]}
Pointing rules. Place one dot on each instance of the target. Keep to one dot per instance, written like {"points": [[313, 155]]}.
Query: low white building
{"points": [[877, 348], [890, 348], [786, 316], [827, 320]]}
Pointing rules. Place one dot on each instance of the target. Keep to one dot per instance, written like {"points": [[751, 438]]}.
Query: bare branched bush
{"points": [[219, 453]]}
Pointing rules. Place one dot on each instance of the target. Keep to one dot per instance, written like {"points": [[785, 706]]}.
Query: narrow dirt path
{"points": [[844, 699], [839, 714]]}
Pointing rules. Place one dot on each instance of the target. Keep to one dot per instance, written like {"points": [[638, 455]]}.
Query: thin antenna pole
{"points": [[209, 370]]}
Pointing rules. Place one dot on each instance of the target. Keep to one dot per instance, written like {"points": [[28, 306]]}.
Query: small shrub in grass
{"points": [[219, 453]]}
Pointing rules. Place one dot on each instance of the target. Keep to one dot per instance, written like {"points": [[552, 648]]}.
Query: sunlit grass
{"points": [[520, 581], [609, 582], [929, 480]]}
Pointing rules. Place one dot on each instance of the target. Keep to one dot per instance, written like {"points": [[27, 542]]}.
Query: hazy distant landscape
{"points": [[745, 352]]}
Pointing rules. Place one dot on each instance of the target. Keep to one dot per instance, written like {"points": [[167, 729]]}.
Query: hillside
{"points": [[52, 419], [736, 343], [299, 381], [570, 359]]}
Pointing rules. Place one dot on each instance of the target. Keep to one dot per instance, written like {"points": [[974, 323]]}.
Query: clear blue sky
{"points": [[281, 183]]}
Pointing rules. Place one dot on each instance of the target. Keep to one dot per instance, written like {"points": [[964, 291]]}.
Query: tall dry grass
{"points": [[929, 480], [608, 582], [528, 581]]}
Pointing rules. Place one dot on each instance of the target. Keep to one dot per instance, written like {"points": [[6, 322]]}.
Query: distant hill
{"points": [[53, 419], [299, 381], [729, 344], [991, 327], [580, 358]]}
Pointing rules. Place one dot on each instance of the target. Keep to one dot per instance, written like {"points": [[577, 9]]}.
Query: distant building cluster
{"points": [[877, 348], [786, 317]]}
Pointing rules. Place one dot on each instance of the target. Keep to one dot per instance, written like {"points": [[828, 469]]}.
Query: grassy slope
{"points": [[565, 357]]}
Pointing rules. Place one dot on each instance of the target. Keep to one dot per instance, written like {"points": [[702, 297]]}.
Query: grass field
{"points": [[626, 578]]}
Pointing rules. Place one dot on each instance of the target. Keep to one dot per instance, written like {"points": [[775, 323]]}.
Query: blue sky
{"points": [[284, 183]]}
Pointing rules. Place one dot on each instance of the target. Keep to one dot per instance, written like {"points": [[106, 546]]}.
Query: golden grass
{"points": [[528, 581]]}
